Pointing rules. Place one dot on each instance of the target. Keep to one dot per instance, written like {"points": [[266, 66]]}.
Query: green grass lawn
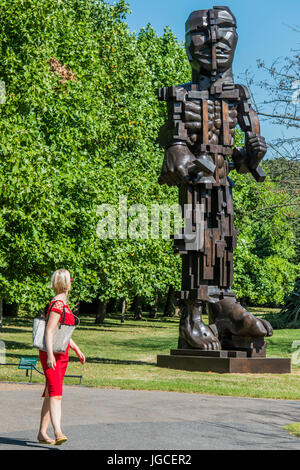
{"points": [[124, 356]]}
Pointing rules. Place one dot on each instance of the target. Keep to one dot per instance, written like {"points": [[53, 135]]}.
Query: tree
{"points": [[281, 107], [285, 173], [123, 310], [264, 271], [169, 305], [79, 129], [289, 316], [1, 314], [101, 312]]}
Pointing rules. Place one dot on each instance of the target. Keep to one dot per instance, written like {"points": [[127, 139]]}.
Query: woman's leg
{"points": [[45, 419], [55, 401], [55, 415]]}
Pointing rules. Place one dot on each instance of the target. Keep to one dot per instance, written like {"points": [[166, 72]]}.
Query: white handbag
{"points": [[62, 334]]}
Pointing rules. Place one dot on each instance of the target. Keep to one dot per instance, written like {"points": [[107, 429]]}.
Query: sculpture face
{"points": [[211, 40]]}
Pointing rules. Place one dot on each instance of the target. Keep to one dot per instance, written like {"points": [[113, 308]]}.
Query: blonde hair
{"points": [[60, 281]]}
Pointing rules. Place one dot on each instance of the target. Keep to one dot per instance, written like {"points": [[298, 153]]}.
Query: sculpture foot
{"points": [[193, 333], [205, 344]]}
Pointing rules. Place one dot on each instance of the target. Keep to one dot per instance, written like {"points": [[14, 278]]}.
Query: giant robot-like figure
{"points": [[198, 137]]}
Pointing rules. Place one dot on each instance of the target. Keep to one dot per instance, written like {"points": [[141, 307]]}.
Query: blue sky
{"points": [[263, 27]]}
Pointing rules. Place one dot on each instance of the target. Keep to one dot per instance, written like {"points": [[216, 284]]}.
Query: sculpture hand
{"points": [[267, 326], [256, 149], [175, 169]]}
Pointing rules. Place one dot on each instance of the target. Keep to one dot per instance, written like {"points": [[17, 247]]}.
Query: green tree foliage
{"points": [[285, 172], [79, 128], [289, 316], [264, 258], [264, 272]]}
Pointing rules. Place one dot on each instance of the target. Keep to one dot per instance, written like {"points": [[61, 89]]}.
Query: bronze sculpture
{"points": [[198, 139]]}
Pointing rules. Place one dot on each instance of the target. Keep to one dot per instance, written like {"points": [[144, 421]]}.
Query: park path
{"points": [[113, 419]]}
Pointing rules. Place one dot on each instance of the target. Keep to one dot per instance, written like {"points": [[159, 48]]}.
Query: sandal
{"points": [[46, 441], [60, 440]]}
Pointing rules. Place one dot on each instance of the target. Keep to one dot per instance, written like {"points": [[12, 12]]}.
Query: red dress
{"points": [[54, 378]]}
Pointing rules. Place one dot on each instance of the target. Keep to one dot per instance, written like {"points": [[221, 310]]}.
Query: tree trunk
{"points": [[169, 306], [1, 314], [101, 312], [153, 309], [137, 308], [123, 310]]}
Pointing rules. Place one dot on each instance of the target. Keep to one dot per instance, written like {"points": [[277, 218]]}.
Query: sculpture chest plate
{"points": [[205, 120]]}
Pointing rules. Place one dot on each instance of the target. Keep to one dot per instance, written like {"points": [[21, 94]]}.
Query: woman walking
{"points": [[55, 364]]}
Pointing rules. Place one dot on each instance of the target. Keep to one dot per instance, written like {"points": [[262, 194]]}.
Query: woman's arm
{"points": [[52, 323], [77, 351]]}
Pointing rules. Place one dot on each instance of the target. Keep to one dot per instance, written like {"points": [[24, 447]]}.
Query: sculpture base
{"points": [[222, 362]]}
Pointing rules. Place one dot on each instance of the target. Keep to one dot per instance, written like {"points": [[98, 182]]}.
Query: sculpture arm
{"points": [[174, 137], [248, 158], [174, 131]]}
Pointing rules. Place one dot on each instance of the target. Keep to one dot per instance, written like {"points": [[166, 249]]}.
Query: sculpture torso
{"points": [[205, 119]]}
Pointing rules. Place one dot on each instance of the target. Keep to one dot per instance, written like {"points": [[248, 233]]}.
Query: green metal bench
{"points": [[28, 363]]}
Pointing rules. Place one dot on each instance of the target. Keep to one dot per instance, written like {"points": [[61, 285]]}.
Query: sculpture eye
{"points": [[199, 39], [226, 25], [200, 33]]}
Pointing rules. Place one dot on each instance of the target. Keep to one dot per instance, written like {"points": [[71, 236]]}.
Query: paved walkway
{"points": [[141, 420]]}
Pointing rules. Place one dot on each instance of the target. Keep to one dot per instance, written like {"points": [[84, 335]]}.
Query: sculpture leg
{"points": [[232, 320], [197, 270], [207, 275]]}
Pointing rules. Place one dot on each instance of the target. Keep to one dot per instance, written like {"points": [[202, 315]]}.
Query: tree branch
{"points": [[290, 118]]}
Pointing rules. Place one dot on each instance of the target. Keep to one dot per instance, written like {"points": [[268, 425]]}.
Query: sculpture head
{"points": [[211, 40]]}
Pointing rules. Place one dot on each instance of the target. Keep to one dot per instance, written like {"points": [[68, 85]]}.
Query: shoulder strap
{"points": [[62, 322], [76, 318]]}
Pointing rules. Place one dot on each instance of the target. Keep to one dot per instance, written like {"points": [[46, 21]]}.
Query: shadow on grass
{"points": [[16, 321], [17, 330], [118, 324], [109, 324], [146, 343], [115, 320], [11, 345], [112, 320], [104, 360]]}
